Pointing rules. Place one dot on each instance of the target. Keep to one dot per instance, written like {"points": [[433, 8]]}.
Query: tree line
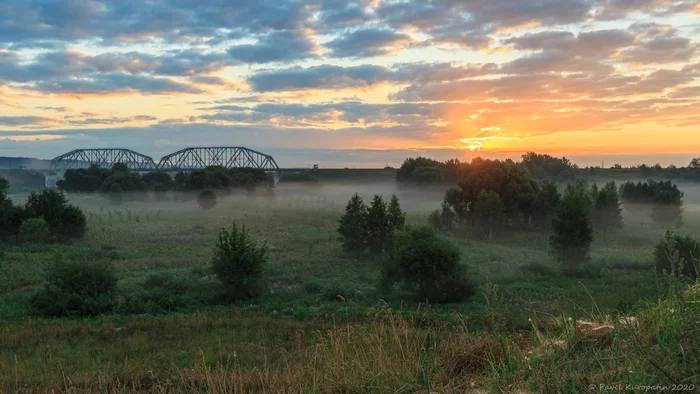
{"points": [[540, 166], [118, 180]]}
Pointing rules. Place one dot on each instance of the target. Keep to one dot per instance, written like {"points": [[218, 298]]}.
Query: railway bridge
{"points": [[188, 159]]}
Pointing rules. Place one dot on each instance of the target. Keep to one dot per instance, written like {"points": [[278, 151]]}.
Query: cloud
{"points": [[659, 44], [338, 77], [115, 84], [319, 77], [369, 42], [24, 120], [276, 46]]}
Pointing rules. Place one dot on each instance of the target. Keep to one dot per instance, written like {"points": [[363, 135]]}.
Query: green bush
{"points": [[206, 199], [75, 289], [48, 204], [427, 263], [73, 223], [34, 230], [238, 263], [678, 254], [64, 220]]}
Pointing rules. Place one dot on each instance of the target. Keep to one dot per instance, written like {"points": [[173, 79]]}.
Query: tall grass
{"points": [[391, 354]]}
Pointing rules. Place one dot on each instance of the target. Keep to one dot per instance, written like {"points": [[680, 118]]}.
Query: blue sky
{"points": [[354, 83]]}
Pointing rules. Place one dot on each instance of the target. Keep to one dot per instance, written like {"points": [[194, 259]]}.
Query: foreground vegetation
{"points": [[317, 318]]}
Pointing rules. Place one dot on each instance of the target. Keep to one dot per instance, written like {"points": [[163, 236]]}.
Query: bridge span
{"points": [[188, 159]]}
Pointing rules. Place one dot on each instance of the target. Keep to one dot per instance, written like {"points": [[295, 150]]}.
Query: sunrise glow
{"points": [[499, 78]]}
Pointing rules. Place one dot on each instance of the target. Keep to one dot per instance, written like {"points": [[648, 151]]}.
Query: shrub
{"points": [[73, 223], [206, 199], [64, 220], [425, 262], [573, 231], [353, 226], [75, 289], [678, 254], [34, 230], [238, 262], [48, 204]]}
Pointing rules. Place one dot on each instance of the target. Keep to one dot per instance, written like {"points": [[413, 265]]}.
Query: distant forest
{"points": [[14, 163]]}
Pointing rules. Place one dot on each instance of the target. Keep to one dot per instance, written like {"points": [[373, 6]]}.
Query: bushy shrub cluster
{"points": [[206, 199], [370, 227], [75, 289], [428, 264], [663, 197], [64, 220], [238, 262], [45, 215]]}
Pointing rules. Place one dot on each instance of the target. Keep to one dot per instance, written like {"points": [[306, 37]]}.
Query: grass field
{"points": [[171, 331]]}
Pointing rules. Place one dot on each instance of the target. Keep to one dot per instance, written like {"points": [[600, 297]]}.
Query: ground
{"points": [[180, 330]]}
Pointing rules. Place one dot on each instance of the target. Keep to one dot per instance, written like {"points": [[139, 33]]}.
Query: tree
{"points": [[353, 225], [127, 182], [442, 219], [695, 163], [238, 263], [154, 179], [378, 225], [663, 198], [607, 214], [546, 166], [428, 263], [73, 223], [546, 201], [64, 220], [397, 218], [678, 255], [48, 204], [573, 231], [206, 199], [488, 210], [510, 181]]}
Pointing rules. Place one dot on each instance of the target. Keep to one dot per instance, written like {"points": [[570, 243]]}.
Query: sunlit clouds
{"points": [[495, 78]]}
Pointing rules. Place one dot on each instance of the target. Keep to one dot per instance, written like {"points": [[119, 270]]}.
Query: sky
{"points": [[359, 83]]}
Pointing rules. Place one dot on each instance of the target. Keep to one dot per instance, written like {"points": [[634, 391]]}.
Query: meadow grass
{"points": [[172, 332]]}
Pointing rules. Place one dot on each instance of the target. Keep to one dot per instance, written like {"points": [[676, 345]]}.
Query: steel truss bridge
{"points": [[187, 159]]}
